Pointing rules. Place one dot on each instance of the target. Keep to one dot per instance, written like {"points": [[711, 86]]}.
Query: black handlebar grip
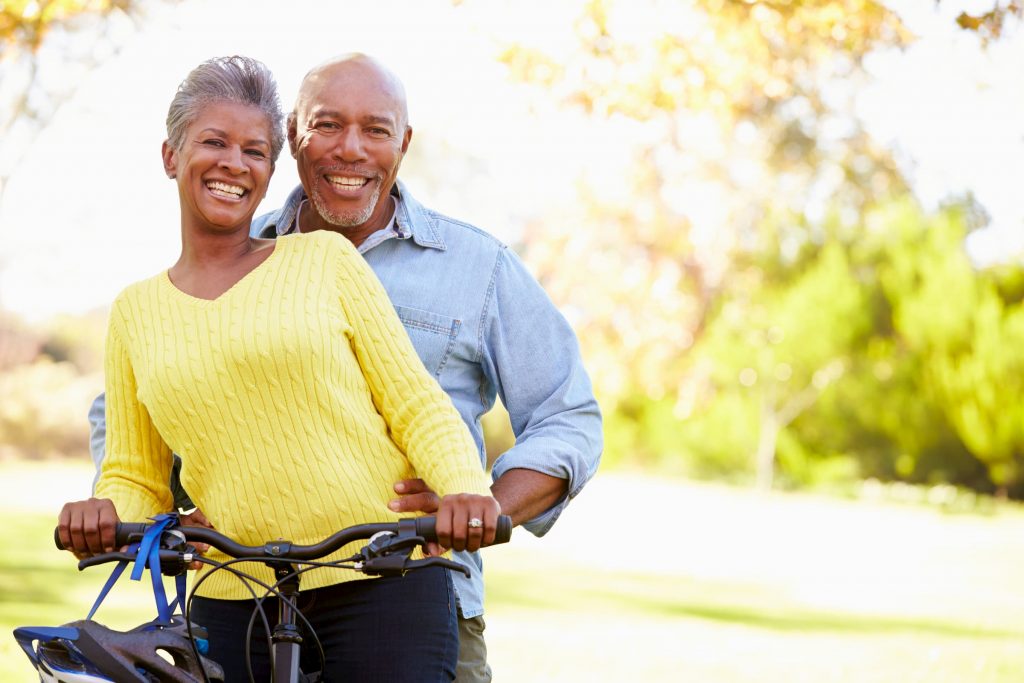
{"points": [[504, 530], [426, 527], [125, 533]]}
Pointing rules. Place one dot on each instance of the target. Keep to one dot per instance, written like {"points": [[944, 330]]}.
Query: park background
{"points": [[789, 237]]}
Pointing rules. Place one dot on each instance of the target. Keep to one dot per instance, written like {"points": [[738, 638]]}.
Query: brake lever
{"points": [[172, 562], [388, 545], [437, 562]]}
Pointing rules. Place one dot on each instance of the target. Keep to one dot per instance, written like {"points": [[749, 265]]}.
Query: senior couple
{"points": [[328, 364]]}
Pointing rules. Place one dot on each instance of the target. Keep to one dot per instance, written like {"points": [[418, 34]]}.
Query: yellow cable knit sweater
{"points": [[295, 400]]}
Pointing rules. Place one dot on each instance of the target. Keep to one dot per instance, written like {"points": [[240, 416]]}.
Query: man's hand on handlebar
{"points": [[466, 521], [196, 518]]}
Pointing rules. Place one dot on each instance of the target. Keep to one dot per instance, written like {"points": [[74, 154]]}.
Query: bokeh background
{"points": [[788, 234]]}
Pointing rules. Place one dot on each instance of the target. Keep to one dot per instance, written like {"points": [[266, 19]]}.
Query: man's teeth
{"points": [[225, 189], [347, 182]]}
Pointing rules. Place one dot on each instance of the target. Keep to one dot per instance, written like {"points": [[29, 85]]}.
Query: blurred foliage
{"points": [[989, 25], [24, 23], [765, 301], [48, 378], [47, 47]]}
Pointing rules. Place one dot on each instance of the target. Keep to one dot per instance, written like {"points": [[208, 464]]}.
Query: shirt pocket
{"points": [[432, 334]]}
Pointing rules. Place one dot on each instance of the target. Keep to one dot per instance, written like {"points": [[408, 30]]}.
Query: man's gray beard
{"points": [[345, 220]]}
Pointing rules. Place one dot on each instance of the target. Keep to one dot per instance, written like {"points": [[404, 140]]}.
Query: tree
{"points": [[972, 340], [742, 112], [46, 46]]}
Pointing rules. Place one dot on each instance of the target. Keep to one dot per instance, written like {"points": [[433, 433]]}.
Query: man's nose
{"points": [[349, 146]]}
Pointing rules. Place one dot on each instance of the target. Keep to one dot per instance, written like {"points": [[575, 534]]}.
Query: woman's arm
{"points": [[137, 465], [420, 416]]}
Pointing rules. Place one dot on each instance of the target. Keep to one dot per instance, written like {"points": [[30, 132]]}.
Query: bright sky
{"points": [[89, 210]]}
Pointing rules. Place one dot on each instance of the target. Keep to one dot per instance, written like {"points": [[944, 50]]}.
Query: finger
{"points": [[63, 522], [76, 525], [91, 529], [475, 535], [460, 525], [416, 502], [107, 526], [431, 549], [196, 518], [407, 486], [443, 525], [490, 518]]}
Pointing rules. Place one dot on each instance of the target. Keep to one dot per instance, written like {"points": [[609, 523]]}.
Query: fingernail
{"points": [[393, 505], [400, 487]]}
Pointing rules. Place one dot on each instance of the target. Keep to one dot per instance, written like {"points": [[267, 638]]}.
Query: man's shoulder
{"points": [[459, 235]]}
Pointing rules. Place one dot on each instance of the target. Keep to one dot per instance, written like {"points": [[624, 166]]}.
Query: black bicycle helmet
{"points": [[89, 652]]}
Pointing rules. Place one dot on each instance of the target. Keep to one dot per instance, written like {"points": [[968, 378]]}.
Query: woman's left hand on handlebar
{"points": [[86, 527], [466, 521]]}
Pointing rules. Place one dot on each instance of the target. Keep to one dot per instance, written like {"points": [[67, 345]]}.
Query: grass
{"points": [[654, 580]]}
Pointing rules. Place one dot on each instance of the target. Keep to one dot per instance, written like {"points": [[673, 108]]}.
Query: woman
{"points": [[281, 374]]}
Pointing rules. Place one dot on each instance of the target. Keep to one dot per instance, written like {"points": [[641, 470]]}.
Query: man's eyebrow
{"points": [[377, 118], [369, 118]]}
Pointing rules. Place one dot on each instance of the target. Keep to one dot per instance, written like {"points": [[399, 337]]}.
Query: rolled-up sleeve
{"points": [[531, 354]]}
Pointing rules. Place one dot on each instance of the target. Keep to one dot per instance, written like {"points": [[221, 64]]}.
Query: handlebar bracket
{"points": [[277, 548]]}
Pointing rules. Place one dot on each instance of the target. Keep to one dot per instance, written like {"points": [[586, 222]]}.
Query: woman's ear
{"points": [[170, 160]]}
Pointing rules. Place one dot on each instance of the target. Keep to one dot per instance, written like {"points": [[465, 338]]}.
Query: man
{"points": [[480, 322]]}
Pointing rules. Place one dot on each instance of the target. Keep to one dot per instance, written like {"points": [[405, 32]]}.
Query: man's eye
{"points": [[327, 127], [380, 132]]}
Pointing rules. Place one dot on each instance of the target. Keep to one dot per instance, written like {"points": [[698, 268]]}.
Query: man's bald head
{"points": [[354, 65]]}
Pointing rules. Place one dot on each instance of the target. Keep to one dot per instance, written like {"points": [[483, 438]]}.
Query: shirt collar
{"points": [[410, 220]]}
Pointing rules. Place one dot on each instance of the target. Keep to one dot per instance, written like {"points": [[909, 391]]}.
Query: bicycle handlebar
{"points": [[128, 532]]}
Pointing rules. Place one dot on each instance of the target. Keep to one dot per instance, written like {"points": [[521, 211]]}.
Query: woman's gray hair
{"points": [[226, 79]]}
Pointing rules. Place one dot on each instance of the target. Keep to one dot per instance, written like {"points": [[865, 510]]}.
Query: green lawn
{"points": [[652, 580]]}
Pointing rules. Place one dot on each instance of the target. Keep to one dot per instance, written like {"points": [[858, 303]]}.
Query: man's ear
{"points": [[406, 139], [293, 143], [170, 160]]}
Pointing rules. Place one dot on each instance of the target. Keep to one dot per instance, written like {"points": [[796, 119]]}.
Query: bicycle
{"points": [[67, 654]]}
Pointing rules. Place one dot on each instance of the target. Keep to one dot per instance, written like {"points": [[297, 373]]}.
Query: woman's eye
{"points": [[213, 142], [256, 153]]}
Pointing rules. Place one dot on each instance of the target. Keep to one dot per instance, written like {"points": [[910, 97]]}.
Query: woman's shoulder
{"points": [[141, 290], [325, 240]]}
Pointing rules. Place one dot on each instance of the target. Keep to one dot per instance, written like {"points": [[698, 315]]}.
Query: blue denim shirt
{"points": [[483, 327]]}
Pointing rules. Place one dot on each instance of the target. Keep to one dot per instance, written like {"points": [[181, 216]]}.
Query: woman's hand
{"points": [[87, 527], [466, 521]]}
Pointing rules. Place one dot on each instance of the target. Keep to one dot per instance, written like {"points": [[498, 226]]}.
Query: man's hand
{"points": [[87, 527], [196, 518], [416, 496]]}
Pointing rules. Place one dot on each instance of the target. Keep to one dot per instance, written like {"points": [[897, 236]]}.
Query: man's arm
{"points": [[531, 355], [526, 494]]}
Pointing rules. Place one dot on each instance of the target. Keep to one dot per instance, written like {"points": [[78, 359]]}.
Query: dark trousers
{"points": [[392, 629]]}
